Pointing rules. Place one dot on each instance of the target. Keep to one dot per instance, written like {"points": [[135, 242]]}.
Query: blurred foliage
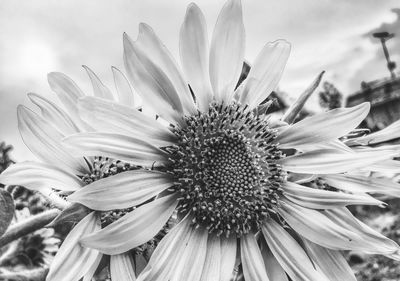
{"points": [[330, 97]]}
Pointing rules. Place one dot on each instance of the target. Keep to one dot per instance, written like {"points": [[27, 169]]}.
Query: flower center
{"points": [[226, 168]]}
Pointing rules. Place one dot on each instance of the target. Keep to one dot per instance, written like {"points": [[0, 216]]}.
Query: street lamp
{"points": [[384, 36]]}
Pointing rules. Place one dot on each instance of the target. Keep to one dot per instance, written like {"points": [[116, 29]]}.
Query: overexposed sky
{"points": [[37, 37]]}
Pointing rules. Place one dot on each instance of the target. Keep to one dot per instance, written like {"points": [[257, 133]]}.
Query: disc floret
{"points": [[225, 164]]}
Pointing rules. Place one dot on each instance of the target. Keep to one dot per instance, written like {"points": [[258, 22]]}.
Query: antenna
{"points": [[385, 36]]}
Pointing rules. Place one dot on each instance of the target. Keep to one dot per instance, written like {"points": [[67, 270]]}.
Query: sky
{"points": [[37, 37]]}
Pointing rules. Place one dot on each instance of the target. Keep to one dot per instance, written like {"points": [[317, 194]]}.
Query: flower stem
{"points": [[27, 275], [27, 226]]}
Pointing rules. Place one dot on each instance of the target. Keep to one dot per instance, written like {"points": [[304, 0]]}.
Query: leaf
{"points": [[6, 210], [72, 214]]}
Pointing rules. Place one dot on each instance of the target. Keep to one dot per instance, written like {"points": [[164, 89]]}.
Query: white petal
{"points": [[323, 127], [330, 262], [151, 45], [125, 92], [39, 176], [227, 51], [386, 166], [72, 260], [275, 271], [212, 265], [45, 141], [228, 257], [252, 260], [289, 253], [191, 260], [92, 269], [329, 161], [265, 74], [124, 190], [372, 242], [122, 267], [135, 150], [154, 87], [317, 227], [389, 133], [55, 115], [133, 229], [111, 117], [324, 199], [194, 53], [67, 91], [162, 262], [99, 89], [361, 184]]}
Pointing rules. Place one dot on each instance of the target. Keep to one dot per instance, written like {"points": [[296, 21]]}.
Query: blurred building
{"points": [[384, 96]]}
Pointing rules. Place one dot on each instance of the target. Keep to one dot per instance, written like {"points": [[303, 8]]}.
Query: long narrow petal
{"points": [[329, 161], [135, 150], [318, 228], [125, 92], [72, 260], [167, 253], [386, 166], [45, 141], [252, 260], [389, 133], [361, 184], [372, 242], [323, 127], [193, 43], [324, 199], [155, 88], [111, 117], [99, 89], [124, 190], [265, 74], [227, 50], [275, 271], [122, 267], [212, 265], [67, 91], [39, 176], [92, 268], [289, 253], [133, 229], [228, 257], [51, 112], [330, 262], [151, 45], [191, 260]]}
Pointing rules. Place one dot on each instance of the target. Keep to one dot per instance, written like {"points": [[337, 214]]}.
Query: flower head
{"points": [[60, 174], [231, 175]]}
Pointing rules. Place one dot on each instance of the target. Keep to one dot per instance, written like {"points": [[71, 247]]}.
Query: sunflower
{"points": [[60, 174], [229, 173]]}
